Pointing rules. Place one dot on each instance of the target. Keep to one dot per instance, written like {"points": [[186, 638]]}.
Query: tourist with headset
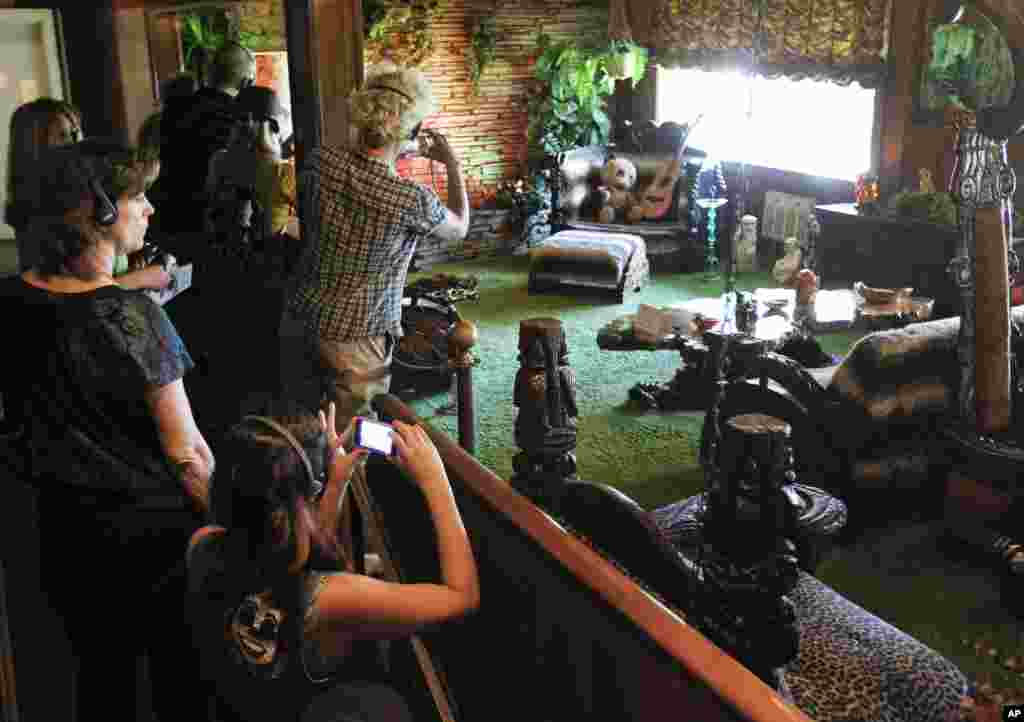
{"points": [[251, 192], [121, 469], [195, 127], [362, 223], [36, 126], [275, 636]]}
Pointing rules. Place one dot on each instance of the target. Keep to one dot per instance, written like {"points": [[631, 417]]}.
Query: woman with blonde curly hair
{"points": [[362, 225]]}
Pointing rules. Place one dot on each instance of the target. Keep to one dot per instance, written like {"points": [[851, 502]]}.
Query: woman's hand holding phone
{"points": [[340, 464], [416, 455]]}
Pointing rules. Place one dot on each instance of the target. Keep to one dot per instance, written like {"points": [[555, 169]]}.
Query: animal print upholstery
{"points": [[853, 666], [850, 666]]}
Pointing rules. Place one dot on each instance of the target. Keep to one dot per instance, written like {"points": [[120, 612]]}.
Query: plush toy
{"points": [[615, 194]]}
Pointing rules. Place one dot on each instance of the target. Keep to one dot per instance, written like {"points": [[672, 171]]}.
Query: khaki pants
{"points": [[353, 373], [349, 373]]}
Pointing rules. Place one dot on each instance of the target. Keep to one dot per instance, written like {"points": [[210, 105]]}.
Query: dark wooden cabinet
{"points": [[888, 252]]}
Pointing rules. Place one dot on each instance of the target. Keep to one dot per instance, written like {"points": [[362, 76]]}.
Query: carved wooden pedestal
{"points": [[748, 562], [545, 425]]}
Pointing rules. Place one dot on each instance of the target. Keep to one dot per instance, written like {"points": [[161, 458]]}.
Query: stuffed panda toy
{"points": [[615, 195]]}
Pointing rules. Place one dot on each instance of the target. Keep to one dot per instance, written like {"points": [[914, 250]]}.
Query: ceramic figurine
{"points": [[924, 181], [788, 267], [746, 245]]}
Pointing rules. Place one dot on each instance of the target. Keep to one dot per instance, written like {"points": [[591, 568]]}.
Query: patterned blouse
{"points": [[83, 364], [365, 224]]}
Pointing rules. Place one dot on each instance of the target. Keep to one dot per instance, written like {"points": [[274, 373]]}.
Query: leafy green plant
{"points": [[402, 32], [373, 12], [971, 64], [483, 44], [202, 34], [936, 208], [568, 108]]}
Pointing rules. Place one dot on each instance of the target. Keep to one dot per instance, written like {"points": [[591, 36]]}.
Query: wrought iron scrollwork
{"points": [[983, 179]]}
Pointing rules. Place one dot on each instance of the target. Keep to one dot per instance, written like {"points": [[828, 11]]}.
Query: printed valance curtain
{"points": [[836, 40]]}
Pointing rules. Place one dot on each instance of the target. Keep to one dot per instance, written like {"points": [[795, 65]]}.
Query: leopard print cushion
{"points": [[853, 666]]}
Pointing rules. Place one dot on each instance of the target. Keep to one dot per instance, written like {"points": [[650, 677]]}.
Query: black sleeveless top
{"points": [[240, 632]]}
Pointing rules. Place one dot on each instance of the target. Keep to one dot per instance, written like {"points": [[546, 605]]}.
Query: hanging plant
{"points": [[567, 107], [202, 34], [483, 44], [403, 32]]}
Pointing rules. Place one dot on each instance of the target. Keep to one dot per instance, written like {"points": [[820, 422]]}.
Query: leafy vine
{"points": [[400, 31], [482, 49]]}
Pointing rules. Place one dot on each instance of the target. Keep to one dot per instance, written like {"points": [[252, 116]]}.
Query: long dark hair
{"points": [[260, 494], [29, 130]]}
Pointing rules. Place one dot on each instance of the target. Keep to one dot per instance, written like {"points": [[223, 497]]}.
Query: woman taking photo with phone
{"points": [[274, 635]]}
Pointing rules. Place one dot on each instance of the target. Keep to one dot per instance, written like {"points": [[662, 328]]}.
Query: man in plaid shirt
{"points": [[363, 222]]}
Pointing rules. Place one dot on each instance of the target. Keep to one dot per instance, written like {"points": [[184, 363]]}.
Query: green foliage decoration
{"points": [[568, 105], [483, 48], [400, 31], [936, 208], [202, 34], [971, 65]]}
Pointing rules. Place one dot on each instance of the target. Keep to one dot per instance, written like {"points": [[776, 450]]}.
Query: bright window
{"points": [[807, 126]]}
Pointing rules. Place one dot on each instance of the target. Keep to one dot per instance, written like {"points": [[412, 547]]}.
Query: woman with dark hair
{"points": [[121, 469], [274, 635], [36, 126]]}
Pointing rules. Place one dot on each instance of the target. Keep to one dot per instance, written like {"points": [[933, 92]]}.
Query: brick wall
{"points": [[488, 131], [492, 232]]}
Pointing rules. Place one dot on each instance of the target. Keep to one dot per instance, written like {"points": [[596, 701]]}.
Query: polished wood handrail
{"points": [[734, 683], [8, 687]]}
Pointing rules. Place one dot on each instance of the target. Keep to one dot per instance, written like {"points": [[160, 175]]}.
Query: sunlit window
{"points": [[807, 126]]}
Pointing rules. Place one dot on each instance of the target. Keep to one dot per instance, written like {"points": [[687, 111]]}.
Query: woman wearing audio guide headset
{"points": [[274, 635], [121, 468]]}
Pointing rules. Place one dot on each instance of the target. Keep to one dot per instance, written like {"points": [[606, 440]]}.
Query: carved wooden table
{"points": [[776, 318]]}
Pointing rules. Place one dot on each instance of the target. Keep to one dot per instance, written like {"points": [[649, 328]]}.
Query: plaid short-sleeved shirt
{"points": [[365, 223]]}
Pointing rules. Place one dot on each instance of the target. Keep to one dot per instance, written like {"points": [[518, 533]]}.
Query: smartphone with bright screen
{"points": [[375, 436]]}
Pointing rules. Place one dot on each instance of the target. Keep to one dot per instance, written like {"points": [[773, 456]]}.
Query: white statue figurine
{"points": [[787, 268], [745, 243]]}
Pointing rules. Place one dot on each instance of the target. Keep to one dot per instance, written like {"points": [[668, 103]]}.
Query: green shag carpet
{"points": [[903, 572]]}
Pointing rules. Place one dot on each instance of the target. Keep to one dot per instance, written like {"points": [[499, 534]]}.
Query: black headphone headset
{"points": [[104, 210], [315, 484]]}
